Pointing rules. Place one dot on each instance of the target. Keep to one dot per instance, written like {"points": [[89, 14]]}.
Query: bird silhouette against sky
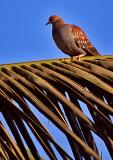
{"points": [[71, 39]]}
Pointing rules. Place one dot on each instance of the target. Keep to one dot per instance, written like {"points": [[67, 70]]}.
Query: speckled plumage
{"points": [[71, 39]]}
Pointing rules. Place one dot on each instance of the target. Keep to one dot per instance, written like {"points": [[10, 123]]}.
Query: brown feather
{"points": [[83, 41]]}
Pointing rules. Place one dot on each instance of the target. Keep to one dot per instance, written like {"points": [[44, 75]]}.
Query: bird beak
{"points": [[47, 23]]}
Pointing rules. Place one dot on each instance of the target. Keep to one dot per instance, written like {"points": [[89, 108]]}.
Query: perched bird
{"points": [[70, 38]]}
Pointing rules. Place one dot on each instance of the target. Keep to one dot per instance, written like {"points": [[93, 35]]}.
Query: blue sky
{"points": [[24, 36]]}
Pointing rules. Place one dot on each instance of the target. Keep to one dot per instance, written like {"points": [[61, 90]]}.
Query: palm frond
{"points": [[59, 90]]}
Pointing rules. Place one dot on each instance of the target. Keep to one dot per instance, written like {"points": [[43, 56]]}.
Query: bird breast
{"points": [[65, 39]]}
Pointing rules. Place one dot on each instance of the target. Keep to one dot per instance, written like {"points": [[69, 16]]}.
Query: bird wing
{"points": [[82, 41]]}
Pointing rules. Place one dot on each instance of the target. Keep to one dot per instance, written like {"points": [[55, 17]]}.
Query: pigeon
{"points": [[71, 39]]}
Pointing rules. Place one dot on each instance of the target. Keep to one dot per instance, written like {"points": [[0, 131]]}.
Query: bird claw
{"points": [[74, 58], [77, 57], [63, 59]]}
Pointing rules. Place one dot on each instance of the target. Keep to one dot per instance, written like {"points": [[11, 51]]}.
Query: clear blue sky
{"points": [[24, 36]]}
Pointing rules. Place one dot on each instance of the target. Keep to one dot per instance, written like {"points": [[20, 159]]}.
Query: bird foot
{"points": [[63, 59], [77, 57]]}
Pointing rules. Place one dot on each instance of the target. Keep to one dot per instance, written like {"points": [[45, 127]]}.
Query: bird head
{"points": [[53, 19]]}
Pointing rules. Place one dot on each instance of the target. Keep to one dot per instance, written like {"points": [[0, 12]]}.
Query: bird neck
{"points": [[58, 24]]}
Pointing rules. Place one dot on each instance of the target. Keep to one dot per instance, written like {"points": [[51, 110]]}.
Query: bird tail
{"points": [[92, 51]]}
